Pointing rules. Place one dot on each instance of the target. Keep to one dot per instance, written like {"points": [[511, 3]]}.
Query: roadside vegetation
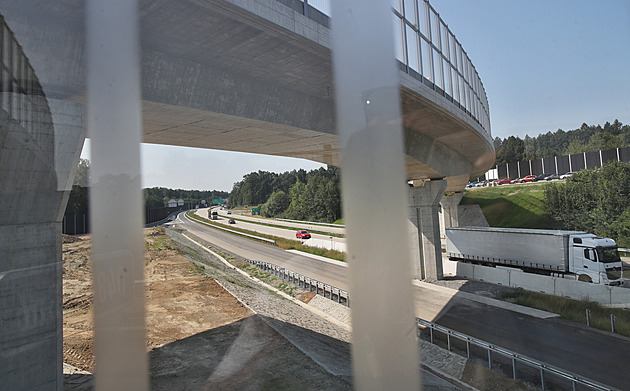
{"points": [[283, 243], [595, 201], [299, 195], [570, 309], [511, 206]]}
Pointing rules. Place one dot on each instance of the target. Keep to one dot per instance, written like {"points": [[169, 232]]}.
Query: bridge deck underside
{"points": [[259, 80]]}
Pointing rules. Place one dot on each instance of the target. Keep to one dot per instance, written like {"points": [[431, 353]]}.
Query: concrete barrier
{"points": [[566, 287]]}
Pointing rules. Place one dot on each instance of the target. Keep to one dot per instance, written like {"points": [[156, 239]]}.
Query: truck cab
{"points": [[594, 259]]}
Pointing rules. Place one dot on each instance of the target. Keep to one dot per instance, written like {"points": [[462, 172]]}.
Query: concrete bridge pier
{"points": [[39, 150], [449, 205], [426, 252]]}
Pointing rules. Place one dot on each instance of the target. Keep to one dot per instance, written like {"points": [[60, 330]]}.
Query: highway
{"points": [[317, 240], [593, 354]]}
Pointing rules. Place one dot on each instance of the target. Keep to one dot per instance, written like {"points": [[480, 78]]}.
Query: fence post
{"points": [[513, 368], [612, 322], [588, 317]]}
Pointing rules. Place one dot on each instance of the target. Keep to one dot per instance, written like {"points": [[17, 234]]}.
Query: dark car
{"points": [[231, 221], [303, 234], [552, 177], [542, 177]]}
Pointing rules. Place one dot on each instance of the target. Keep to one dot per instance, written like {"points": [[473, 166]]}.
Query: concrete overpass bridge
{"points": [[250, 76]]}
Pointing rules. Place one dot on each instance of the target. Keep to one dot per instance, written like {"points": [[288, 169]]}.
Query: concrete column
{"points": [[40, 144], [449, 204], [426, 251]]}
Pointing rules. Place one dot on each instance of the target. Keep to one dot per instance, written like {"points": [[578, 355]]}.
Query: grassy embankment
{"points": [[574, 310], [284, 243], [511, 206]]}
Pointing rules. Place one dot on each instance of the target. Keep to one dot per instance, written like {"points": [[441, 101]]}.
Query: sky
{"points": [[545, 65]]}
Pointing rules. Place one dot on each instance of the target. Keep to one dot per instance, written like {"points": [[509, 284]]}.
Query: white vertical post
{"points": [[373, 167], [115, 126], [555, 158], [585, 165], [601, 159]]}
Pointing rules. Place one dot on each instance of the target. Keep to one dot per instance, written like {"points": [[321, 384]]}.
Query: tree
{"points": [[595, 202], [82, 176], [277, 203]]}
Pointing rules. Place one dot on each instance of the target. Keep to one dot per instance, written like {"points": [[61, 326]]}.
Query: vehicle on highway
{"points": [[552, 177], [566, 175], [529, 178], [471, 184], [542, 177], [567, 254], [303, 234], [214, 215], [517, 180], [229, 212], [231, 221], [504, 181]]}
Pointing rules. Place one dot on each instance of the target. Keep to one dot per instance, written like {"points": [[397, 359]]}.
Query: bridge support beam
{"points": [[449, 203], [39, 151], [426, 252]]}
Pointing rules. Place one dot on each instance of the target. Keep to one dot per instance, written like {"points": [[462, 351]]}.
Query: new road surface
{"points": [[597, 355]]}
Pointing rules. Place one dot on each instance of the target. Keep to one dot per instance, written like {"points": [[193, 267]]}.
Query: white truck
{"points": [[567, 254], [213, 214]]}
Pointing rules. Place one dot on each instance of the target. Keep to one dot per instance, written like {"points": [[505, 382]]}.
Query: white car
{"points": [[567, 175]]}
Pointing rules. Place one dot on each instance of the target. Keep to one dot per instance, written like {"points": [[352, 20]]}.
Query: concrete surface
{"points": [[39, 156], [266, 89], [607, 295], [424, 229]]}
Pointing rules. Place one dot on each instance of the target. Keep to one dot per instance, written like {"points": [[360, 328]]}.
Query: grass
{"points": [[284, 243], [513, 206], [268, 279], [574, 310]]}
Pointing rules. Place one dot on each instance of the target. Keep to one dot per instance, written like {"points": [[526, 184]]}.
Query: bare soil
{"points": [[180, 300]]}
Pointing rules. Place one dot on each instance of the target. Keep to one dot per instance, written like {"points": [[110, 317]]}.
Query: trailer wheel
{"points": [[585, 278]]}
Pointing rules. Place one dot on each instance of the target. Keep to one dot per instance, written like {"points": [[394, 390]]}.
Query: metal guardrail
{"points": [[231, 230], [328, 291], [312, 223], [539, 366]]}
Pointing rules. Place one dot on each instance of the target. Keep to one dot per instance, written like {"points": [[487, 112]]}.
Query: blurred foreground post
{"points": [[384, 346], [115, 126]]}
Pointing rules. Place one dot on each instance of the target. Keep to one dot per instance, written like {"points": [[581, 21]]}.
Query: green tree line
{"points": [[154, 197], [297, 194], [588, 138], [595, 201]]}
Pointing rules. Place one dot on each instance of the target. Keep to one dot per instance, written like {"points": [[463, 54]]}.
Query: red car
{"points": [[303, 234], [504, 181], [529, 178]]}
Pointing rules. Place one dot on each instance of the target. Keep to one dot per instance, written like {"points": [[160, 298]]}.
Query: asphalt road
{"points": [[288, 232], [596, 355]]}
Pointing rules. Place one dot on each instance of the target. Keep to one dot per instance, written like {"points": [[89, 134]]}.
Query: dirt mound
{"points": [[180, 301]]}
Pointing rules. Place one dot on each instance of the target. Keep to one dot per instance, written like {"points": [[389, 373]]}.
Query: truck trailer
{"points": [[567, 254]]}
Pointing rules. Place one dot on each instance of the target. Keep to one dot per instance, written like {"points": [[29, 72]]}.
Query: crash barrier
{"points": [[502, 360], [522, 367], [231, 230], [312, 223], [330, 292], [557, 286]]}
